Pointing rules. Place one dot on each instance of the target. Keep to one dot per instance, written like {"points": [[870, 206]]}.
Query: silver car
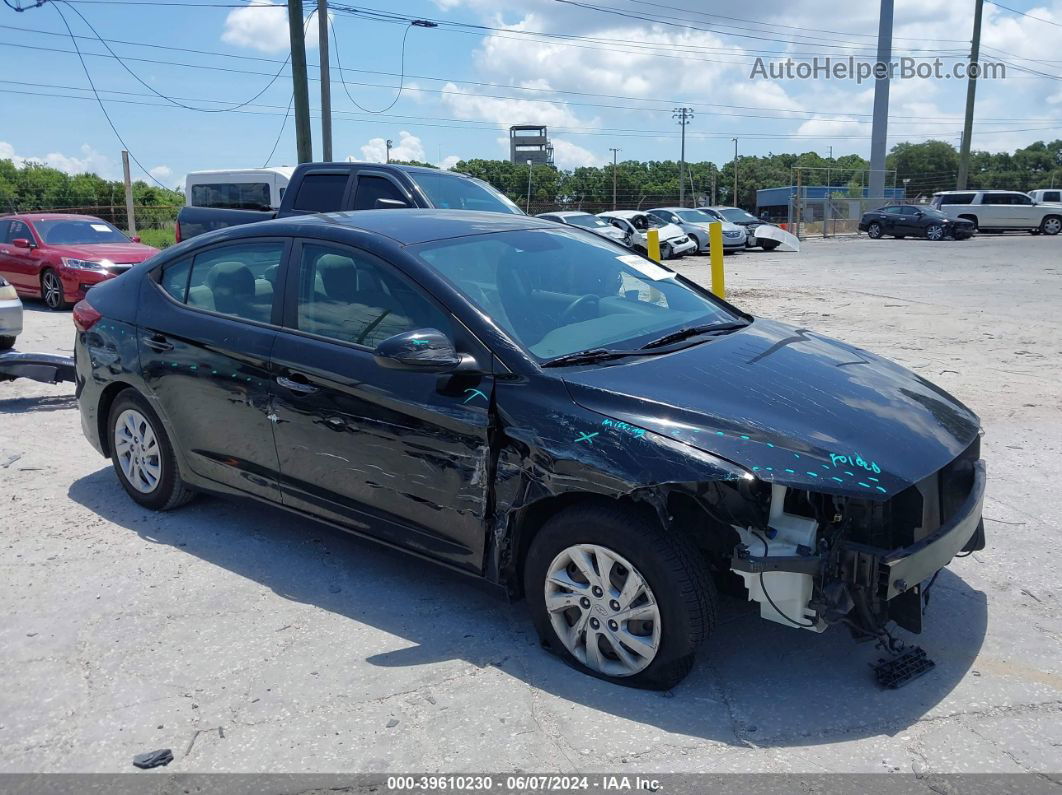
{"points": [[695, 224], [587, 221], [10, 315]]}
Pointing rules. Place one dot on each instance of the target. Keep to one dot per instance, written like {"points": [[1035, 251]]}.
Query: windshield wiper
{"points": [[694, 331], [588, 356]]}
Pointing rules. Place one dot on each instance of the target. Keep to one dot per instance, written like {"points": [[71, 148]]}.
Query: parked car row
{"points": [[683, 230]]}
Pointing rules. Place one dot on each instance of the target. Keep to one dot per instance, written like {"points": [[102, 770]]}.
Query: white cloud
{"points": [[263, 26], [466, 105], [409, 147], [568, 155], [449, 162], [161, 173], [90, 160]]}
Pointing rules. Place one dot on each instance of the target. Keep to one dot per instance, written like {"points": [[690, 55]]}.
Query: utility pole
{"points": [[879, 132], [971, 91], [735, 173], [326, 84], [614, 152], [301, 92], [527, 209], [683, 116], [712, 203], [388, 144], [130, 218]]}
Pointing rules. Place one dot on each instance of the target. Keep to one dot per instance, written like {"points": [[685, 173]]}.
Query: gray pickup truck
{"points": [[332, 187]]}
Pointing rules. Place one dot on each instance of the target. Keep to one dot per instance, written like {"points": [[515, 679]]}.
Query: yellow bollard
{"points": [[715, 246], [652, 241]]}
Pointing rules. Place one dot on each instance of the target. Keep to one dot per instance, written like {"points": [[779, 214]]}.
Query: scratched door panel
{"points": [[397, 454]]}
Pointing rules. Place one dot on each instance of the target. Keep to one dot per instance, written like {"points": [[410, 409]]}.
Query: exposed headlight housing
{"points": [[7, 291], [83, 264]]}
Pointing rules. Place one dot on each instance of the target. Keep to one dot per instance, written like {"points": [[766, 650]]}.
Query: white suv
{"points": [[1000, 210]]}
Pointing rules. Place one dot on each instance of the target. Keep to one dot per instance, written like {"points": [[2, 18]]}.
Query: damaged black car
{"points": [[537, 406]]}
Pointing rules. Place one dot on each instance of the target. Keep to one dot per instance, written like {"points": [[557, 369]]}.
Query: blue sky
{"points": [[603, 73]]}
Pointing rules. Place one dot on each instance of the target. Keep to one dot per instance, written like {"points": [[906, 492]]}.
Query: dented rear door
{"points": [[402, 456]]}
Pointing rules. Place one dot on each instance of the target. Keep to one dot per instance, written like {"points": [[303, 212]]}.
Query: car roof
{"points": [[566, 213], [33, 217], [623, 213], [411, 226]]}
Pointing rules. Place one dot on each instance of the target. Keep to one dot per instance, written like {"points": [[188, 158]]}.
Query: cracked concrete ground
{"points": [[248, 641]]}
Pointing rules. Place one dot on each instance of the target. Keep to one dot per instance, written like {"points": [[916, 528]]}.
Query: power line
{"points": [[1022, 13], [402, 78]]}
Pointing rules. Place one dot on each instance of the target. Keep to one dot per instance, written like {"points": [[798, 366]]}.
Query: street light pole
{"points": [[388, 144], [614, 152], [528, 208]]}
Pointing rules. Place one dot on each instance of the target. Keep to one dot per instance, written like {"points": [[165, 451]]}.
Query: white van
{"points": [[1000, 210], [243, 189], [1047, 195]]}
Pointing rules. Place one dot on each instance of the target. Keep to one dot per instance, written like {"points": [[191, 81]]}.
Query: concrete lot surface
{"points": [[248, 641]]}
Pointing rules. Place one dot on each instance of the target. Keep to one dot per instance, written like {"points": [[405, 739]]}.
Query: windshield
{"points": [[556, 292], [736, 214], [695, 216], [451, 192], [585, 221], [60, 232]]}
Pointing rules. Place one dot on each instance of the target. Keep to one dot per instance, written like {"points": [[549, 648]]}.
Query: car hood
{"points": [[727, 226], [790, 406], [670, 231], [115, 252]]}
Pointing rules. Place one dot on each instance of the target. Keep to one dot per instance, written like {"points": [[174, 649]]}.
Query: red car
{"points": [[58, 257]]}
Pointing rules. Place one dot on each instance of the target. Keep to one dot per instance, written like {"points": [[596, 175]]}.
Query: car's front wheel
{"points": [[142, 455], [874, 230], [935, 232], [618, 596], [52, 290]]}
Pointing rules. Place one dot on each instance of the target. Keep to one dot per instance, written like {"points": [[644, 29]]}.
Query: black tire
{"points": [[52, 292], [935, 232], [899, 237], [7, 343], [1051, 225], [874, 230], [769, 245], [671, 566], [170, 491]]}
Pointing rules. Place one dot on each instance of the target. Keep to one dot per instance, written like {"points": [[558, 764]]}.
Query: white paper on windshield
{"points": [[100, 227], [646, 267]]}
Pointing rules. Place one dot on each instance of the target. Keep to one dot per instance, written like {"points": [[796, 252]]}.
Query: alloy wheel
{"points": [[138, 451], [874, 231], [603, 610], [935, 232], [52, 290], [1052, 226]]}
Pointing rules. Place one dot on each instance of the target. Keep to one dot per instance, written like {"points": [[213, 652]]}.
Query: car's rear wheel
{"points": [[617, 596], [935, 232], [6, 343], [1051, 225], [143, 456], [52, 290], [874, 230]]}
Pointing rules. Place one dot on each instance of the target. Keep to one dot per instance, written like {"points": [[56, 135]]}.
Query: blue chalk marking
{"points": [[791, 471], [475, 393], [421, 342], [769, 444], [825, 467], [743, 436], [864, 485], [883, 491], [755, 469], [796, 455], [719, 433], [587, 437], [837, 479], [813, 474], [874, 479], [770, 469], [850, 474]]}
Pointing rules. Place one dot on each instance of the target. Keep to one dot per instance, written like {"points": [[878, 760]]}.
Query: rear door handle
{"points": [[158, 343], [297, 383]]}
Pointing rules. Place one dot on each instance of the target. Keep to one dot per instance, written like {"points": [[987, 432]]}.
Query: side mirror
{"points": [[21, 242], [391, 204], [425, 350], [135, 238]]}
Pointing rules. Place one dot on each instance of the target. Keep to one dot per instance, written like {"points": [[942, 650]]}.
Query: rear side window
{"points": [[175, 279], [371, 188], [956, 198], [321, 193], [999, 198], [349, 296], [232, 195], [238, 280], [1052, 196]]}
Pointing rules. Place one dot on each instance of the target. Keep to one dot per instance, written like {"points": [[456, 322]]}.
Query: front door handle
{"points": [[158, 343], [300, 385]]}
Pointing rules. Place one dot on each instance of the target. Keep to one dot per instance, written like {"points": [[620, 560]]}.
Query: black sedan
{"points": [[905, 220], [532, 404]]}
